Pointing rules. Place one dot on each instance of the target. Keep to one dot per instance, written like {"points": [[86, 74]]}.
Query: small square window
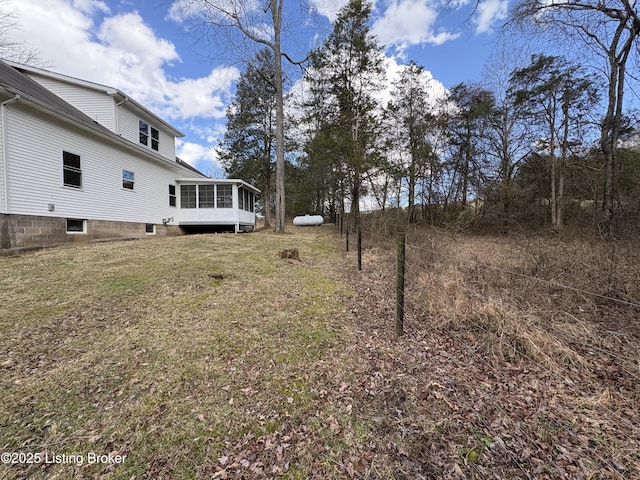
{"points": [[127, 179], [75, 225], [150, 229]]}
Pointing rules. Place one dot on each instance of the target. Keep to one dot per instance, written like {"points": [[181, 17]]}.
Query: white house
{"points": [[80, 161]]}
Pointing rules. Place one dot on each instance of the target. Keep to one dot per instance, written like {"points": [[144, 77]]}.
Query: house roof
{"points": [[119, 95], [25, 89], [15, 82]]}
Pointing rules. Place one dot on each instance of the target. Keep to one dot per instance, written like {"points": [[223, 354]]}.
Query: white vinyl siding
{"points": [[130, 129], [3, 207], [97, 105], [35, 173], [102, 107]]}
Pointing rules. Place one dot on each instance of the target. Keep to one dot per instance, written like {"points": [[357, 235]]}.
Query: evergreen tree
{"points": [[345, 74], [411, 113], [249, 143], [555, 96]]}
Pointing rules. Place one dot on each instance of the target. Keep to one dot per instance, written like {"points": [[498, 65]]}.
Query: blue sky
{"points": [[142, 48]]}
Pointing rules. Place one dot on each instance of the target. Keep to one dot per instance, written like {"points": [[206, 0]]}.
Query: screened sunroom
{"points": [[215, 205]]}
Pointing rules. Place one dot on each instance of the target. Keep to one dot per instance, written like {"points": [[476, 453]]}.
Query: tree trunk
{"points": [[606, 145], [554, 169], [280, 220], [612, 119], [563, 162], [411, 209]]}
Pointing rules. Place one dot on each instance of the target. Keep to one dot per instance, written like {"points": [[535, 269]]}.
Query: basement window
{"points": [[76, 225], [150, 229]]}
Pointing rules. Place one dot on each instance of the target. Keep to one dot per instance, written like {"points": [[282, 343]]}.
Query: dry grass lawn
{"points": [[173, 352]]}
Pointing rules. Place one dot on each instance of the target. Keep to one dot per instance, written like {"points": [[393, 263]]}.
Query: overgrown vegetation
{"points": [[524, 346]]}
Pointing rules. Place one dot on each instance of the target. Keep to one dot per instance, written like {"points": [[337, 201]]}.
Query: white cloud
{"points": [[91, 6], [128, 33], [409, 22], [205, 158], [202, 97], [328, 8], [490, 12]]}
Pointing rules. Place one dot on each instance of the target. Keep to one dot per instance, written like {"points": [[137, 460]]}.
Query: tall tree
{"points": [[508, 139], [612, 28], [349, 65], [469, 122], [556, 96], [248, 147], [261, 25], [411, 109]]}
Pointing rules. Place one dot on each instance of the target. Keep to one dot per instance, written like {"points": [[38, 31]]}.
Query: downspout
{"points": [[126, 99], [5, 181]]}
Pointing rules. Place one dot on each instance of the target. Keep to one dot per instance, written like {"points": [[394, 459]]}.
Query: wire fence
{"points": [[598, 417]]}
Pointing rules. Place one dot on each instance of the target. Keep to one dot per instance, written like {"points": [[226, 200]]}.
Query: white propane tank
{"points": [[308, 221]]}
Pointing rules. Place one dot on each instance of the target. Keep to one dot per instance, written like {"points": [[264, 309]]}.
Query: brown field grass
{"points": [[540, 336], [209, 356]]}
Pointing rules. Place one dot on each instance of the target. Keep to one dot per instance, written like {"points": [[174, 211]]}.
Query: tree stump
{"points": [[290, 254]]}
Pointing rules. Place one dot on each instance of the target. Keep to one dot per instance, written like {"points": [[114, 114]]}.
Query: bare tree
{"points": [[508, 140], [20, 52], [612, 28], [252, 22]]}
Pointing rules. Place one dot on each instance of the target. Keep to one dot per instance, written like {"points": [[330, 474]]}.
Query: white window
{"points": [[128, 179], [188, 196], [150, 229], [245, 199], [149, 136], [206, 197], [224, 196], [172, 195], [71, 170]]}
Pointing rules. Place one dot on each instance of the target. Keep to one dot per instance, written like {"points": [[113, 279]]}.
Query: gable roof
{"points": [[15, 82], [114, 92], [25, 89]]}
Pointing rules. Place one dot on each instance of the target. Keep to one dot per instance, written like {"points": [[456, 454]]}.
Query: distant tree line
{"points": [[536, 148]]}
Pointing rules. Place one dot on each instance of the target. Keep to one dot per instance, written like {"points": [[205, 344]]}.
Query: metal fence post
{"points": [[400, 268], [359, 249]]}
